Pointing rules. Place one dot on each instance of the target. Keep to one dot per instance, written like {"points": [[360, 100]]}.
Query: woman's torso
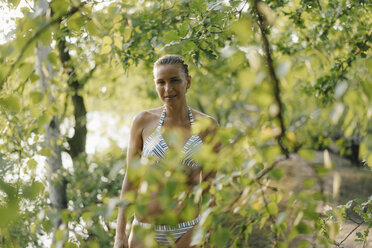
{"points": [[160, 202]]}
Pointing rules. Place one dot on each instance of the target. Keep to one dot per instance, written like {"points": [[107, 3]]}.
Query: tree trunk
{"points": [[78, 141], [56, 181]]}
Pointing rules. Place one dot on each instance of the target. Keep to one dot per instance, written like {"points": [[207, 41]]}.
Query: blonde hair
{"points": [[173, 59]]}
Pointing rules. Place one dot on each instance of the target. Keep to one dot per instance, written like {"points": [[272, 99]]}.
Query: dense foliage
{"points": [[283, 78]]}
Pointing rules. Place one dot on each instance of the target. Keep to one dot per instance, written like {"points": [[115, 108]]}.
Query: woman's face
{"points": [[171, 82]]}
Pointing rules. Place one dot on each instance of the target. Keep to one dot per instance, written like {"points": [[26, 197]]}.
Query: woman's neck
{"points": [[177, 113]]}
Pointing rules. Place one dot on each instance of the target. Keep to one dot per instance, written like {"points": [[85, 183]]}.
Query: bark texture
{"points": [[78, 141], [56, 181]]}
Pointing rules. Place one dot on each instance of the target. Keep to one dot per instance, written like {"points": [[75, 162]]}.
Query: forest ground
{"points": [[355, 183]]}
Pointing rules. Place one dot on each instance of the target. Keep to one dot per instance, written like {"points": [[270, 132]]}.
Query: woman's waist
{"points": [[156, 212], [167, 197]]}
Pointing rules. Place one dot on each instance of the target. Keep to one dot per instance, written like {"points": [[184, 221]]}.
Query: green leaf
{"points": [[33, 190], [306, 154], [246, 79], [243, 29], [46, 37], [47, 225], [87, 215], [58, 235], [368, 142], [33, 77], [53, 58], [105, 49], [263, 220], [64, 215], [271, 153], [91, 27], [198, 5], [277, 173], [12, 103], [42, 120], [221, 237], [106, 45], [14, 3], [303, 228], [106, 40], [282, 245], [183, 29], [187, 46], [70, 245], [304, 244], [359, 234], [171, 35], [76, 22], [369, 160], [362, 46], [60, 7], [45, 152], [308, 183], [272, 207], [118, 42], [321, 170], [25, 70], [367, 89], [7, 215], [32, 163], [36, 97], [93, 244]]}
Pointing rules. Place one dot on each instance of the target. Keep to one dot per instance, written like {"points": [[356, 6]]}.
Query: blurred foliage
{"points": [[322, 56]]}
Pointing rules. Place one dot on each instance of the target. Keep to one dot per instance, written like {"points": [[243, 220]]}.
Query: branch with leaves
{"points": [[274, 78], [36, 36]]}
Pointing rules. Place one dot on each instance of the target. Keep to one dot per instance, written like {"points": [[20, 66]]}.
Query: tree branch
{"points": [[320, 7], [268, 169], [340, 243], [274, 78], [36, 36], [267, 209], [241, 10]]}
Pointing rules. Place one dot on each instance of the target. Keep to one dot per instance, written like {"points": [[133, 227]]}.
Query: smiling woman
{"points": [[172, 79]]}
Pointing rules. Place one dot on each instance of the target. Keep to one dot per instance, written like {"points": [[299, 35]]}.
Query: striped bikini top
{"points": [[155, 144]]}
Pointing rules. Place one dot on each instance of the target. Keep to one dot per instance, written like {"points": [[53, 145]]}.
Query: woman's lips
{"points": [[170, 97]]}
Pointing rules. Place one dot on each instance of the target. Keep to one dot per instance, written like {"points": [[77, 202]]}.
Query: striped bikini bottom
{"points": [[167, 235]]}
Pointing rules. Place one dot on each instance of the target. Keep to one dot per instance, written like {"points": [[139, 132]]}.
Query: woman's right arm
{"points": [[133, 152]]}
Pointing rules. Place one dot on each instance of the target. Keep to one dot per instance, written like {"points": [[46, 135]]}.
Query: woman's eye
{"points": [[174, 80]]}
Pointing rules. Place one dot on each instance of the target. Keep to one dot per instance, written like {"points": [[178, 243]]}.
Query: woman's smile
{"points": [[170, 96]]}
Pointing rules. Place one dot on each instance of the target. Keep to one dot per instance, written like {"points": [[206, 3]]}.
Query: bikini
{"points": [[155, 145]]}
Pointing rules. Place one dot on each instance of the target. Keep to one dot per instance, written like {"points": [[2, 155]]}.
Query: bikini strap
{"points": [[162, 117], [161, 120], [190, 116]]}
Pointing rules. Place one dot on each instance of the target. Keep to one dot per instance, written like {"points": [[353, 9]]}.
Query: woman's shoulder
{"points": [[202, 116], [146, 116]]}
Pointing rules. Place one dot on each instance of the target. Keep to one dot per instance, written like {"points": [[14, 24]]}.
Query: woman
{"points": [[172, 80]]}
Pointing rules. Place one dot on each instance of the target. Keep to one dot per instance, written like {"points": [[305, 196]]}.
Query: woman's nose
{"points": [[168, 87]]}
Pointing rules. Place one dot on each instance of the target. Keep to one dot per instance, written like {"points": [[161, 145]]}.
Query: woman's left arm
{"points": [[212, 139]]}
